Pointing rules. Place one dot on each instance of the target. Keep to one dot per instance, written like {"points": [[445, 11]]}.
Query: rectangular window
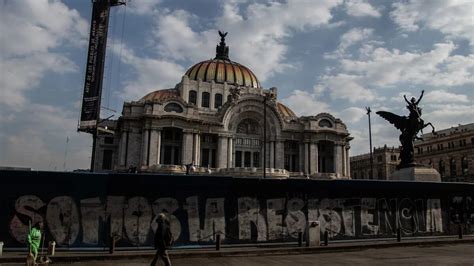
{"points": [[256, 159], [205, 99], [177, 159], [247, 159], [217, 100], [167, 155], [109, 140], [294, 163], [205, 157], [107, 160], [213, 158], [192, 97], [238, 159]]}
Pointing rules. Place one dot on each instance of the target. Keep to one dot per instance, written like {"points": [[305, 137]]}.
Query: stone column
{"points": [[271, 152], [279, 155], [123, 148], [348, 161], [197, 149], [343, 151], [301, 157], [153, 147], [338, 159], [306, 158], [222, 143], [211, 99], [230, 149], [313, 157], [145, 143], [158, 147], [187, 148]]}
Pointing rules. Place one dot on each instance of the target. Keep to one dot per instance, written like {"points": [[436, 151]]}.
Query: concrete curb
{"points": [[236, 252]]}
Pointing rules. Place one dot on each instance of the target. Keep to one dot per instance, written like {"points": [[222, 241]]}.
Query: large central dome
{"points": [[221, 69]]}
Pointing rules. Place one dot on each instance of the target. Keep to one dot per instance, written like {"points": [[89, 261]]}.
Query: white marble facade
{"points": [[215, 122]]}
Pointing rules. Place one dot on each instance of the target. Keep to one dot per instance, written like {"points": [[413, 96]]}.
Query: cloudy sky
{"points": [[335, 56]]}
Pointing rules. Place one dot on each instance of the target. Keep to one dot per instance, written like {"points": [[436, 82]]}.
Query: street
{"points": [[462, 254]]}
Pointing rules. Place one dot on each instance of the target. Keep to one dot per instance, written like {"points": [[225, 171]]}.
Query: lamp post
{"points": [[264, 136], [370, 142]]}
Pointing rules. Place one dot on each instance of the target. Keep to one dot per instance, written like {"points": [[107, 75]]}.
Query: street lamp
{"points": [[264, 136], [370, 141]]}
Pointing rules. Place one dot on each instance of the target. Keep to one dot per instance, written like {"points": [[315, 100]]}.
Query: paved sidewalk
{"points": [[239, 251]]}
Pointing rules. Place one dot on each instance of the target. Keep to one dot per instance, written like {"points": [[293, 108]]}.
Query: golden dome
{"points": [[160, 95], [286, 111], [221, 69]]}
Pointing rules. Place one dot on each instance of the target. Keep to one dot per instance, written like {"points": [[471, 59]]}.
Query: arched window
{"points": [[192, 97], [464, 166], [217, 100], [173, 107], [325, 123], [452, 167], [205, 99], [441, 168]]}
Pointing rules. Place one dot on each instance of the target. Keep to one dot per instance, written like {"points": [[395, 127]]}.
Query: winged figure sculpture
{"points": [[410, 127]]}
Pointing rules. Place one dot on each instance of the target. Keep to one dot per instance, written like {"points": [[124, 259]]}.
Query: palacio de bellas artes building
{"points": [[212, 122]]}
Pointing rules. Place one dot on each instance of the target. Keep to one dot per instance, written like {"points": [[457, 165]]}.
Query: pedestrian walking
{"points": [[163, 240]]}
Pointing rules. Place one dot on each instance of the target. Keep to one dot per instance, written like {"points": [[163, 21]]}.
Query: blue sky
{"points": [[335, 56]]}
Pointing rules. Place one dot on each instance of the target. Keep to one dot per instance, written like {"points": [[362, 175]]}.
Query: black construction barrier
{"points": [[85, 209]]}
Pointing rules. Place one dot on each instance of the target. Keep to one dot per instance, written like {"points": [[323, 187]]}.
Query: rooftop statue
{"points": [[222, 50], [410, 127]]}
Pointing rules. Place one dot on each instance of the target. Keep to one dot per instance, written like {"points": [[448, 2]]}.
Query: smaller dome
{"points": [[286, 111], [160, 95]]}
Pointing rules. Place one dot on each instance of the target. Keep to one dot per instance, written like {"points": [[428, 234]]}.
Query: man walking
{"points": [[163, 240]]}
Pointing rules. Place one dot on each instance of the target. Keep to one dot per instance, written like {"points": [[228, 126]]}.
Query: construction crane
{"points": [[90, 111]]}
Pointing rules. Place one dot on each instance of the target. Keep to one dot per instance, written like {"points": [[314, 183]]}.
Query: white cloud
{"points": [[446, 115], [150, 75], [21, 74], [348, 87], [143, 7], [442, 96], [453, 18], [351, 37], [30, 26], [255, 31], [33, 34], [352, 114], [305, 103], [361, 8], [30, 30], [436, 67], [39, 139]]}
